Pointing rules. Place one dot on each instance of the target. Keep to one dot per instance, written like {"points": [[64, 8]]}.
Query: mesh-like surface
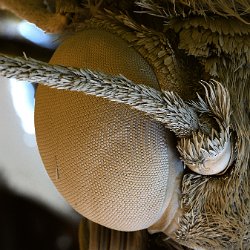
{"points": [[108, 161]]}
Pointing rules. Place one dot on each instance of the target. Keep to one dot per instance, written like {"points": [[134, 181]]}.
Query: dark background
{"points": [[27, 224]]}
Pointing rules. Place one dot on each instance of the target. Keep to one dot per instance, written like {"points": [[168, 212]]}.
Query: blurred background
{"points": [[33, 215]]}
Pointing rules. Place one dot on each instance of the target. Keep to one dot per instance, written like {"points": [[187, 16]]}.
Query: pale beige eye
{"points": [[111, 163]]}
